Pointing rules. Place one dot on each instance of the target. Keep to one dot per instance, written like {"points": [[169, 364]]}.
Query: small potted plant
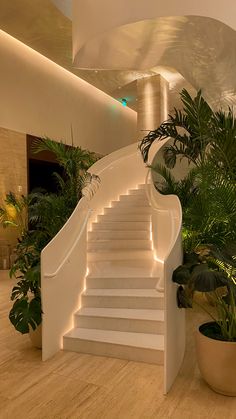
{"points": [[211, 271], [26, 313]]}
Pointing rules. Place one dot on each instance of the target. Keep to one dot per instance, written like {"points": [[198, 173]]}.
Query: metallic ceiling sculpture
{"points": [[197, 39]]}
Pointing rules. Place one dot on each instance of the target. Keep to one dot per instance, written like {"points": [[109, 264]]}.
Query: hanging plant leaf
{"points": [[24, 314], [206, 280], [191, 258], [181, 275]]}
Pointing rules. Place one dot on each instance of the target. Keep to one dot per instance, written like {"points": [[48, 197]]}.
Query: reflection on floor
{"points": [[84, 386]]}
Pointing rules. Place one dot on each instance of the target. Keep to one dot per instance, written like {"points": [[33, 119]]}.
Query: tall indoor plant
{"points": [[207, 139], [47, 213]]}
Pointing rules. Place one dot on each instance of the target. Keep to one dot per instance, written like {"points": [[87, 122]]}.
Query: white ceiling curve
{"points": [[65, 6], [202, 57], [93, 18], [202, 50]]}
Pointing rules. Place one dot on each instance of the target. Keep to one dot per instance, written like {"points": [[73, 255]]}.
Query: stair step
{"points": [[136, 268], [119, 254], [118, 235], [121, 282], [123, 298], [106, 245], [124, 209], [121, 225], [134, 198], [142, 186], [123, 216], [128, 203], [139, 192], [126, 320], [143, 347]]}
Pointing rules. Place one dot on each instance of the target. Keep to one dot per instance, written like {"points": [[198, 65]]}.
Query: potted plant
{"points": [[207, 140], [37, 230], [26, 314], [210, 270]]}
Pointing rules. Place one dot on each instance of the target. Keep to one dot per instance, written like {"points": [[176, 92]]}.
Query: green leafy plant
{"points": [[13, 212], [198, 134], [207, 139], [26, 311], [210, 270], [47, 213]]}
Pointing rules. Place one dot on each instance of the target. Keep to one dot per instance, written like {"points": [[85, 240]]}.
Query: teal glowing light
{"points": [[124, 102]]}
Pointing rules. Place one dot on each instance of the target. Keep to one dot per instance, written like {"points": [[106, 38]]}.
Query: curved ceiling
{"points": [[43, 27], [65, 6], [93, 18], [195, 39], [202, 50]]}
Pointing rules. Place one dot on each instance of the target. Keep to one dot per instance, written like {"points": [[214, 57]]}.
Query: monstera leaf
{"points": [[206, 280], [181, 275], [26, 313]]}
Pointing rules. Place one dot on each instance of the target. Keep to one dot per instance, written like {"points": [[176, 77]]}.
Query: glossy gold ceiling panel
{"points": [[43, 27], [202, 50]]}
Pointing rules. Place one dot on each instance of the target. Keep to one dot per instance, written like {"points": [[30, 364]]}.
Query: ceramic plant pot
{"points": [[217, 362]]}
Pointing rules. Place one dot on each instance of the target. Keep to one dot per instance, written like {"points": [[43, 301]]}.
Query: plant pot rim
{"points": [[222, 341]]}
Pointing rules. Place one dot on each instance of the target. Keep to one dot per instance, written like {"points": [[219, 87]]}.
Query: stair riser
{"points": [[131, 353], [119, 244], [119, 283], [122, 302], [127, 209], [117, 226], [130, 203], [122, 325], [134, 198], [119, 255], [124, 217], [138, 192], [118, 235]]}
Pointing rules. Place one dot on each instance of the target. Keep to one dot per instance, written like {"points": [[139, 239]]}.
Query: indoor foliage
{"points": [[47, 213], [207, 139]]}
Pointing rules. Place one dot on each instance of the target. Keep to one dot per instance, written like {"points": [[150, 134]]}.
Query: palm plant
{"points": [[188, 129], [208, 192], [207, 140], [75, 162], [47, 214], [198, 134]]}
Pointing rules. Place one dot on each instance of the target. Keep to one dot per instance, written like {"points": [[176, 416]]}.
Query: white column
{"points": [[152, 106]]}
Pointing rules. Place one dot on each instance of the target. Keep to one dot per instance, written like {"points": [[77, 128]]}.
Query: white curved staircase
{"points": [[106, 276], [122, 313]]}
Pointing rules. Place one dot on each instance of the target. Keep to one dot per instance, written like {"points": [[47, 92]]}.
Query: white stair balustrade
{"points": [[106, 276], [116, 319]]}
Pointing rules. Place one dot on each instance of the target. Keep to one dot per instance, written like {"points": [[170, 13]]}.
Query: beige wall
{"points": [[13, 172], [39, 97]]}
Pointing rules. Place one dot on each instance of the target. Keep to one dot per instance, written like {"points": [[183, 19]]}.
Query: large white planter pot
{"points": [[217, 363]]}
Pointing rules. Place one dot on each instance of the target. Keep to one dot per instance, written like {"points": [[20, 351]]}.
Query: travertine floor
{"points": [[84, 386]]}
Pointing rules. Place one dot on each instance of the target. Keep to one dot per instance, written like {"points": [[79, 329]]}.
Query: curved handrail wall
{"points": [[64, 260], [167, 243]]}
